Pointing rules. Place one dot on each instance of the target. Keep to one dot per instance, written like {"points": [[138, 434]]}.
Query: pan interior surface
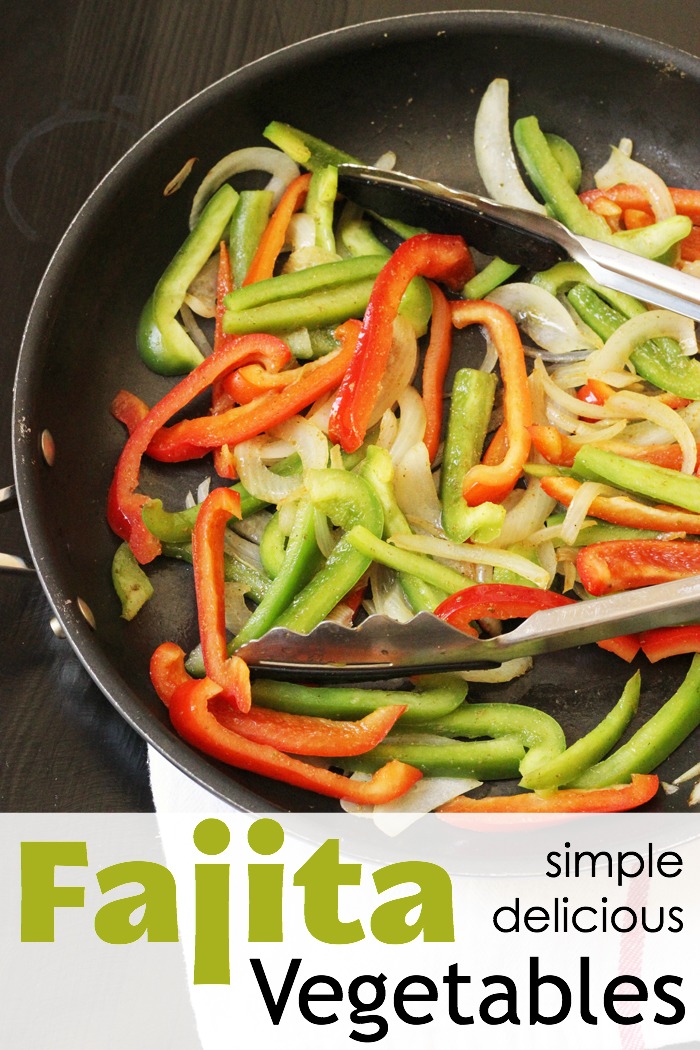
{"points": [[410, 84]]}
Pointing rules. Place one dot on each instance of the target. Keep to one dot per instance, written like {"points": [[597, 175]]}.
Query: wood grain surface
{"points": [[81, 81]]}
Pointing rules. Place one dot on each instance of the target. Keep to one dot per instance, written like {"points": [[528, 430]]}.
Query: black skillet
{"points": [[411, 84]]}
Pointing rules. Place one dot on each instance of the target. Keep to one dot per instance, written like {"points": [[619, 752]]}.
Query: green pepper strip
{"points": [[378, 471], [592, 747], [537, 731], [235, 571], [602, 532], [300, 283], [483, 759], [661, 361], [327, 306], [472, 400], [130, 582], [495, 273], [347, 500], [655, 741], [163, 343], [434, 696], [407, 562], [272, 547], [301, 559], [250, 217], [313, 153], [543, 168], [644, 479], [323, 189]]}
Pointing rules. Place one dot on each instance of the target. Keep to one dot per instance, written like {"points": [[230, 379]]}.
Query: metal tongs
{"points": [[518, 236], [383, 648]]}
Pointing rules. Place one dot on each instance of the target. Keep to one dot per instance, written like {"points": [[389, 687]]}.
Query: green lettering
{"points": [[40, 894], [321, 876], [434, 899], [211, 937], [265, 882], [159, 919]]}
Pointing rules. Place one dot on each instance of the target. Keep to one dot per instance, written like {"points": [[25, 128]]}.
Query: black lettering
{"points": [[401, 997], [305, 997], [275, 1008], [660, 990], [612, 996], [453, 980], [360, 1015], [536, 983], [553, 862], [509, 996]]}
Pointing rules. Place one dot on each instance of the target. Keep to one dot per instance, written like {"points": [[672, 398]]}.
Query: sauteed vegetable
{"points": [[360, 465]]}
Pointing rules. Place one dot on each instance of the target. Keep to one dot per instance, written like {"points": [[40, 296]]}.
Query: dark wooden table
{"points": [[82, 80]]}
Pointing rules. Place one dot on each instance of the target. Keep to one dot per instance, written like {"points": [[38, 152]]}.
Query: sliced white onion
{"points": [[414, 485], [621, 168], [543, 317], [652, 324], [587, 432], [305, 258], [255, 158], [528, 515], [412, 423], [252, 527], [393, 818], [250, 457], [325, 539], [301, 232], [577, 511], [689, 774], [547, 557], [473, 554], [195, 333], [243, 549], [236, 611], [400, 369], [565, 400], [388, 429], [387, 161], [203, 287], [651, 434], [630, 405], [505, 672], [694, 797], [387, 594], [494, 152]]}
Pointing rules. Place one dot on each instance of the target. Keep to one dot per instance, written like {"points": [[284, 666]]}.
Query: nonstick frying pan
{"points": [[411, 84]]}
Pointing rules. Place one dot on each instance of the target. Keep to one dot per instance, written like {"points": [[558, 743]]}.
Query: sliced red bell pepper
{"points": [[193, 438], [497, 447], [613, 799], [129, 409], [229, 672], [559, 449], [309, 734], [272, 240], [189, 701], [441, 257], [124, 503], [512, 601], [623, 565], [623, 510], [487, 482], [435, 365], [663, 642], [686, 202]]}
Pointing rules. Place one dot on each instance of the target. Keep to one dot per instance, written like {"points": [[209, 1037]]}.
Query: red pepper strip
{"points": [[686, 202], [435, 365], [623, 565], [510, 602], [224, 463], [568, 800], [124, 503], [559, 449], [251, 381], [193, 438], [309, 734], [439, 256], [229, 672], [272, 240], [497, 447], [690, 247], [128, 409], [635, 218], [663, 642], [492, 482], [188, 700], [623, 510], [500, 601]]}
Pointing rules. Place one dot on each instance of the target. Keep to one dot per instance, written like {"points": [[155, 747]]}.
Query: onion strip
{"points": [[255, 158]]}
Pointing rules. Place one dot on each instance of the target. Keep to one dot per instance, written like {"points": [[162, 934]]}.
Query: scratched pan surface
{"points": [[410, 84]]}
